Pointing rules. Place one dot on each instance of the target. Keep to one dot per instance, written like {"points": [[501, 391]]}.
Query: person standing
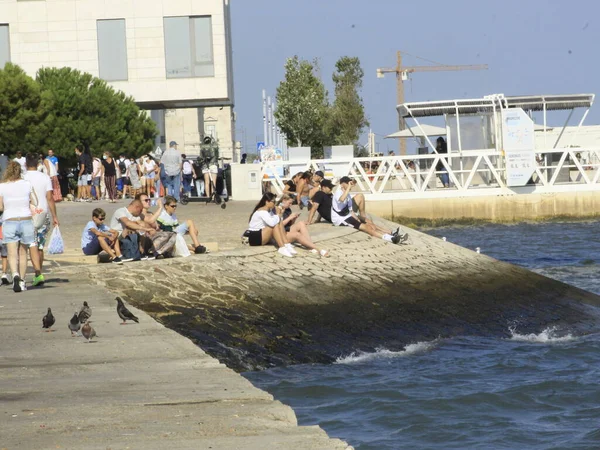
{"points": [[16, 198], [442, 149], [46, 208], [121, 175], [19, 158], [110, 176], [51, 163], [96, 177], [172, 162], [188, 175], [86, 167]]}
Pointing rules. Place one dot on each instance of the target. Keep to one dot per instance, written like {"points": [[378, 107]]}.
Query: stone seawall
{"points": [[495, 208], [254, 309]]}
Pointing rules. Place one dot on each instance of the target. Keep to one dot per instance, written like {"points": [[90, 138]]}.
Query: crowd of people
{"points": [[148, 227], [272, 220]]}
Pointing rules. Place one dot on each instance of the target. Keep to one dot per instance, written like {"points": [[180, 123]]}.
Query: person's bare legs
{"points": [[34, 254], [295, 236], [106, 246], [207, 184], [193, 232], [117, 248], [12, 249], [371, 230], [359, 199], [4, 265], [23, 260], [279, 236], [267, 235]]}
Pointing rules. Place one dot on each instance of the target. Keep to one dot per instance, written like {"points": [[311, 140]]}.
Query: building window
{"points": [[112, 50], [4, 45], [188, 47]]}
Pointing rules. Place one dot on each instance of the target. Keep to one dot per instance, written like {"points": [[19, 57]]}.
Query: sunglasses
{"points": [[172, 206], [146, 200], [101, 218]]}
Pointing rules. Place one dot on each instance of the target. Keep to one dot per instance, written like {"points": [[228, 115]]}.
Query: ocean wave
{"points": [[384, 353], [546, 336]]}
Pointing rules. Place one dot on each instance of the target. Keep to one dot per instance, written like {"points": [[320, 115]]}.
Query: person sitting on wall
{"points": [[127, 221], [342, 215], [167, 221], [321, 203], [97, 236], [265, 225], [303, 187], [296, 230], [291, 186], [316, 183]]}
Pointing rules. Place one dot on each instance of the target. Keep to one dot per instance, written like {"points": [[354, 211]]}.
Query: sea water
{"points": [[528, 391]]}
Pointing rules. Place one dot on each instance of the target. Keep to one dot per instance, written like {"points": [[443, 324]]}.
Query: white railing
{"points": [[473, 172]]}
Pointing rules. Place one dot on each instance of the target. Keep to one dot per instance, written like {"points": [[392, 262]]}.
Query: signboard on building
{"points": [[518, 145]]}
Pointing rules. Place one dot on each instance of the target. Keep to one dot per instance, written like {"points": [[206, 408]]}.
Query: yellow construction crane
{"points": [[402, 75]]}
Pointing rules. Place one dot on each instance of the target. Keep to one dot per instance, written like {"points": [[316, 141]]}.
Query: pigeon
{"points": [[48, 320], [444, 238], [74, 324], [87, 331], [85, 313], [478, 250], [124, 313]]}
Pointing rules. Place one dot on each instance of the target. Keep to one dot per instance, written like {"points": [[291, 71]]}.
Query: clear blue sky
{"points": [[531, 46]]}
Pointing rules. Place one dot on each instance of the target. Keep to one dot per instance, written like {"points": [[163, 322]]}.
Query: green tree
{"points": [[302, 105], [347, 119], [22, 110], [84, 109]]}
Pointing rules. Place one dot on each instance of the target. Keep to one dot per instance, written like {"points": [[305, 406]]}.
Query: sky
{"points": [[532, 47]]}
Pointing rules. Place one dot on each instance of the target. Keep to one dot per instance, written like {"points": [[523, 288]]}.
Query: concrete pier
{"points": [[145, 386], [134, 386]]}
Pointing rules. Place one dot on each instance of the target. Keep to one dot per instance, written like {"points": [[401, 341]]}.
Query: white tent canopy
{"points": [[429, 130]]}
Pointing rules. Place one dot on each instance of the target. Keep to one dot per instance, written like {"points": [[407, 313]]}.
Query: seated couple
{"points": [[269, 222], [303, 186], [338, 210]]}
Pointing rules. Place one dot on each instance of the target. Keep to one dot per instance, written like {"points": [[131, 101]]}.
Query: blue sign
{"points": [[260, 146]]}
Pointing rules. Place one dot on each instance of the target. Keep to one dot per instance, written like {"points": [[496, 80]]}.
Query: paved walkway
{"points": [[137, 386]]}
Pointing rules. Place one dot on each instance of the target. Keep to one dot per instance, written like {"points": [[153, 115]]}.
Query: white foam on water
{"points": [[548, 335], [384, 353]]}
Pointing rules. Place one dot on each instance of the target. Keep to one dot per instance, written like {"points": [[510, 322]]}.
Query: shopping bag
{"points": [[181, 248], [56, 245]]}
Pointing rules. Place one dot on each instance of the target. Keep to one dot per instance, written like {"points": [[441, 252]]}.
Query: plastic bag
{"points": [[56, 245], [181, 248]]}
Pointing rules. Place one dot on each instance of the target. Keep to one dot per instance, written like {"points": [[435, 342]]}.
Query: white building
{"points": [[166, 54]]}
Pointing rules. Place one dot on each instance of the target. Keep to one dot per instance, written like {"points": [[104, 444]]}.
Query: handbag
{"points": [[56, 245], [163, 242]]}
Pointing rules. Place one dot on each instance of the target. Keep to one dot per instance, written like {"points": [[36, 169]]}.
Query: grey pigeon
{"points": [[74, 324], [124, 313], [87, 331], [48, 320], [85, 313]]}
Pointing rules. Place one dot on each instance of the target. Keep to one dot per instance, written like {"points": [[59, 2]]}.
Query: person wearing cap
{"points": [[172, 162], [316, 183], [321, 202], [342, 215]]}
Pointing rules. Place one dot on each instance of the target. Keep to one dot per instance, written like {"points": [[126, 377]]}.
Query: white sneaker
{"points": [[22, 285], [285, 252], [291, 249]]}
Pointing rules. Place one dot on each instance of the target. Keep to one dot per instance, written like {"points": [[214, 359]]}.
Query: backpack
{"points": [[122, 167]]}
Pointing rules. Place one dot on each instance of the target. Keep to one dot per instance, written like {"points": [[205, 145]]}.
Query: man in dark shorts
{"points": [[342, 215]]}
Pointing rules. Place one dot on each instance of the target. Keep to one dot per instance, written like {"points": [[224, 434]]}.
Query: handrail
{"points": [[471, 171]]}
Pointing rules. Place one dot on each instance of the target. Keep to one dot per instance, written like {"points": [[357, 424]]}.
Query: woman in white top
{"points": [[265, 225], [16, 198], [150, 172]]}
